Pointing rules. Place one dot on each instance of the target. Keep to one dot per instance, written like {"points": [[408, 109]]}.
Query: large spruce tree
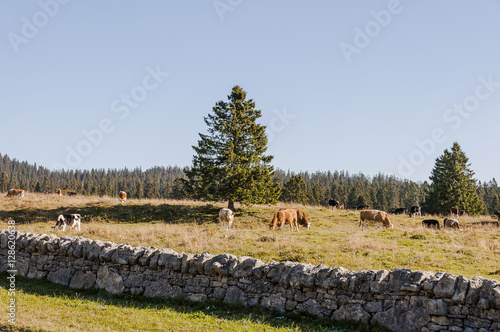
{"points": [[453, 184], [229, 164]]}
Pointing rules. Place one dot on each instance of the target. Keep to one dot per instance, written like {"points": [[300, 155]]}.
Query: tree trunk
{"points": [[230, 206]]}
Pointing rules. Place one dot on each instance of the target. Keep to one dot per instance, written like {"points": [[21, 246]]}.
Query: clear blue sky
{"points": [[361, 86]]}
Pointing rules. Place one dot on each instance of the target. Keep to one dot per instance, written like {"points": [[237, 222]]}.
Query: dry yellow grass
{"points": [[334, 238]]}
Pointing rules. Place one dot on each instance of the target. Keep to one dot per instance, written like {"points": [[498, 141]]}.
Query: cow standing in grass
{"points": [[226, 218], [283, 217], [431, 223], [374, 215], [415, 211], [401, 211], [301, 217], [333, 203], [451, 223], [58, 192], [15, 192], [71, 220], [123, 196]]}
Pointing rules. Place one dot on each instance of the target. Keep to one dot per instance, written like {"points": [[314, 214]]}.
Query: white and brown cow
{"points": [[58, 192], [123, 196], [451, 223], [226, 218], [71, 220], [376, 216], [15, 192]]}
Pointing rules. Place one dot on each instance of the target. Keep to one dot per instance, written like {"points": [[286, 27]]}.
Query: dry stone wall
{"points": [[402, 300]]}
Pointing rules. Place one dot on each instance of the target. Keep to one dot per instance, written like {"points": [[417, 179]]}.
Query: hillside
{"points": [[334, 238]]}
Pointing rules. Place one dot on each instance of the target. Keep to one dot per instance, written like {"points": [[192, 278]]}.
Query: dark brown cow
{"points": [[401, 211], [431, 223], [454, 211], [71, 193], [374, 215]]}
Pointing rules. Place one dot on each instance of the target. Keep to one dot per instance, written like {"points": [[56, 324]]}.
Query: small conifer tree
{"points": [[453, 184]]}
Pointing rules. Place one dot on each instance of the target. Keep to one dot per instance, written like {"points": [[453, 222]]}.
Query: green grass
{"points": [[43, 306]]}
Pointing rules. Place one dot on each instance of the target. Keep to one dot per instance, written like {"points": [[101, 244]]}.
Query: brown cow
{"points": [[374, 215], [454, 211], [283, 217], [123, 196], [15, 192], [301, 217], [58, 192]]}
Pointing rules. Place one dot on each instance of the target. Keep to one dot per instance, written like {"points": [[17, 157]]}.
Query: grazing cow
{"points": [[374, 215], [333, 203], [415, 211], [301, 217], [71, 220], [461, 212], [451, 223], [283, 217], [454, 211], [15, 192], [226, 218], [431, 223], [58, 192], [340, 206], [401, 211], [71, 193], [123, 196]]}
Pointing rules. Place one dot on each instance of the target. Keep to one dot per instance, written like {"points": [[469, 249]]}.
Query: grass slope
{"points": [[334, 238], [43, 306]]}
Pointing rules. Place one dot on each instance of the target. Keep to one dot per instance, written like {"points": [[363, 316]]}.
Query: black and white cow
{"points": [[71, 220], [333, 203], [415, 211]]}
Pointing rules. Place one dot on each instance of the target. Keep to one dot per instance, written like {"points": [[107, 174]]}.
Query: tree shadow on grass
{"points": [[214, 308], [172, 214]]}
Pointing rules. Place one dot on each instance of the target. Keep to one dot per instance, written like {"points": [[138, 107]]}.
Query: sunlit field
{"points": [[334, 239]]}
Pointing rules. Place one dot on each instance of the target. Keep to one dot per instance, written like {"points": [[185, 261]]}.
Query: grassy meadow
{"points": [[189, 226]]}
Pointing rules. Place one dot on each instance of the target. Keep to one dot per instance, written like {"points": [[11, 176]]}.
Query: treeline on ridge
{"points": [[380, 192]]}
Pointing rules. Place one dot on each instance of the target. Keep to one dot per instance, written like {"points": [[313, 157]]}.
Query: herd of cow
{"points": [[285, 216], [20, 192]]}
